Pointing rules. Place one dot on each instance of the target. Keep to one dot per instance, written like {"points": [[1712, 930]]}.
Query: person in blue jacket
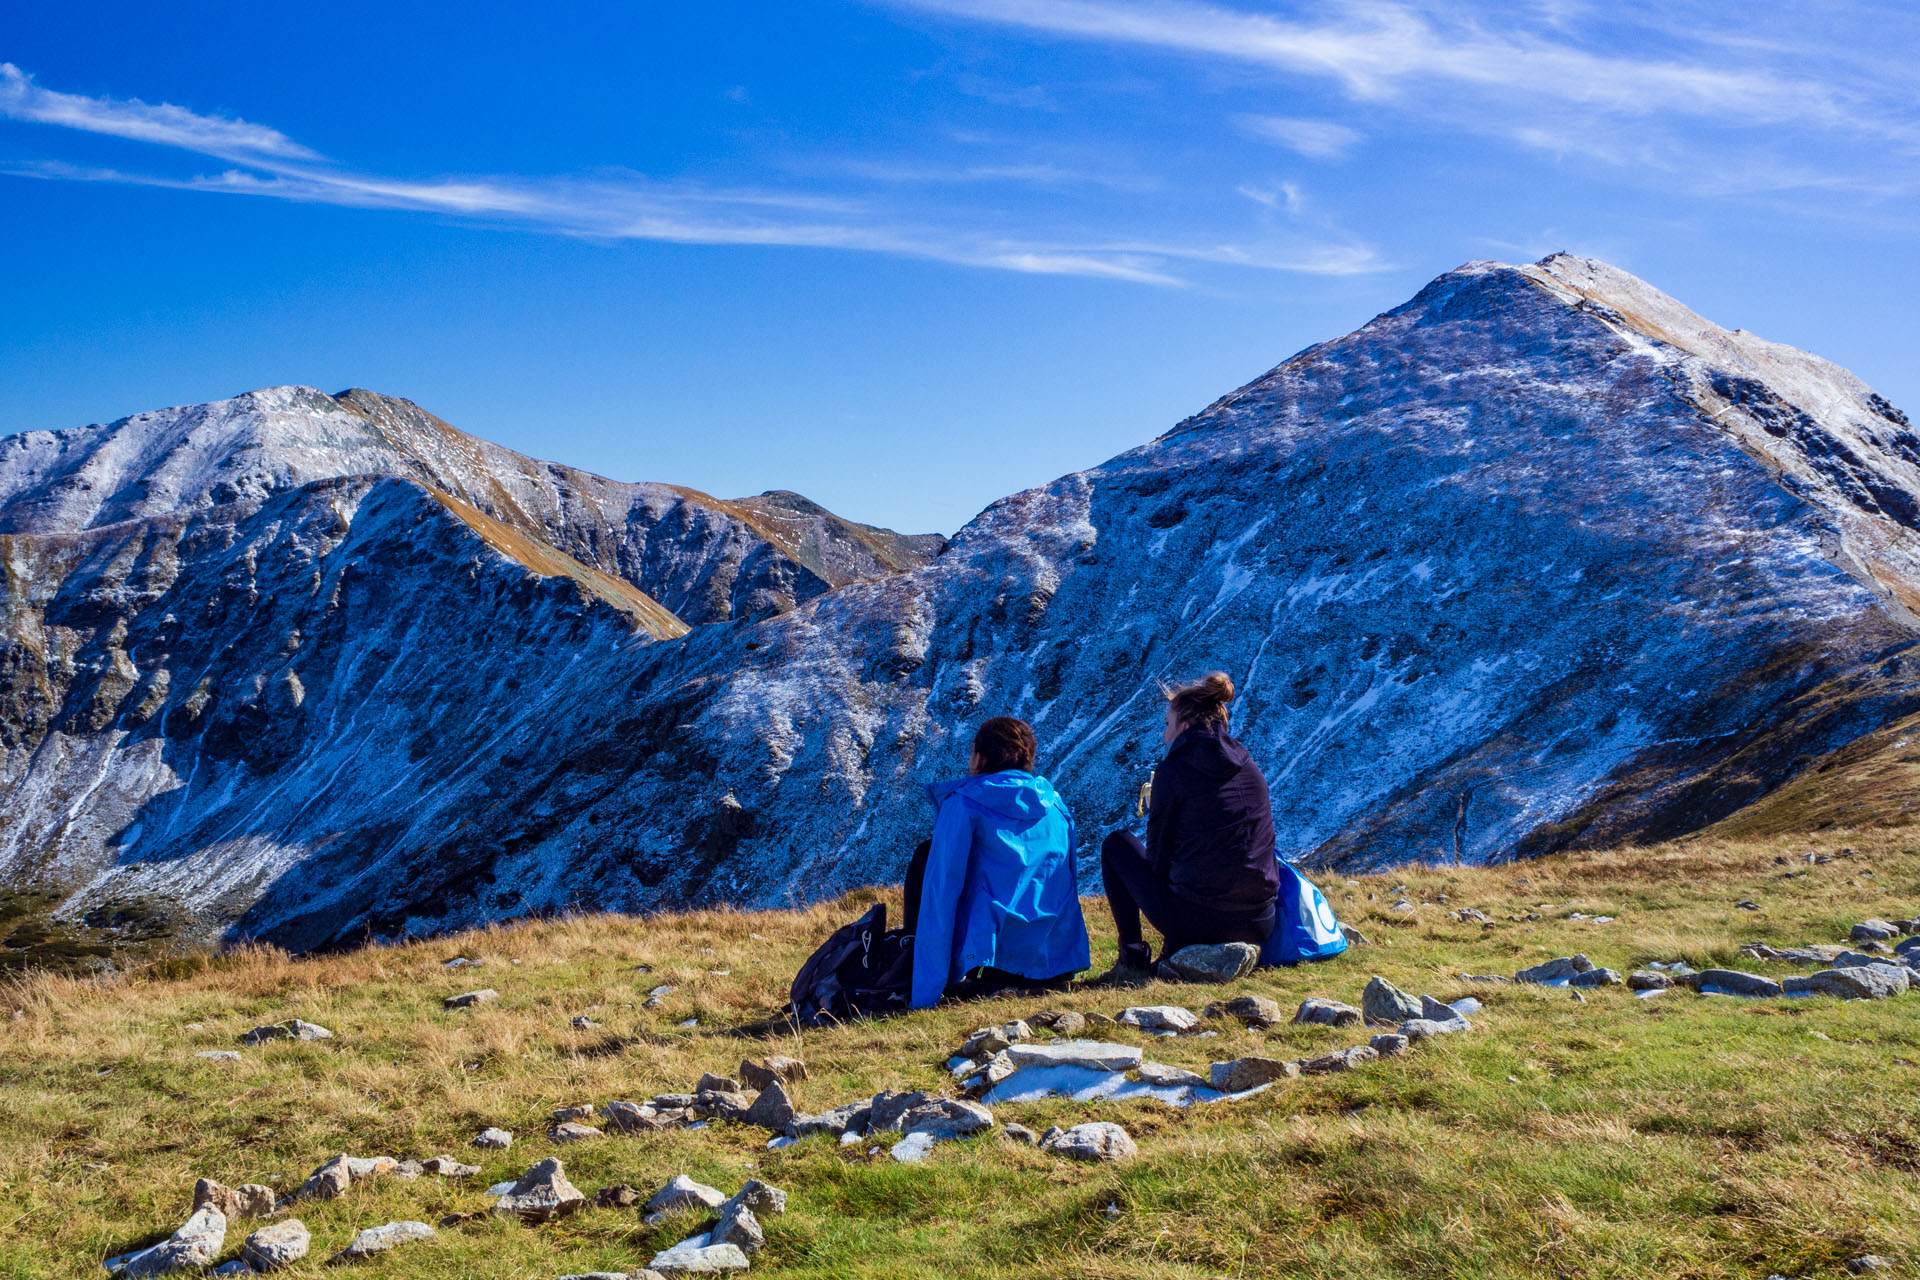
{"points": [[992, 900]]}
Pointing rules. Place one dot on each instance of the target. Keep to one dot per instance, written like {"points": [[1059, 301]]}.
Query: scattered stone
{"points": [[1339, 1060], [1354, 937], [1384, 1002], [219, 1055], [1254, 1011], [582, 1022], [580, 1111], [1390, 1044], [1869, 1262], [1470, 915], [493, 1139], [195, 1245], [1158, 1017], [1557, 972], [380, 1239], [738, 1226], [1596, 978], [542, 1194], [1076, 1053], [1157, 1073], [773, 1109], [618, 1196], [1247, 1073], [1071, 1023], [763, 1198], [682, 1192], [1873, 931], [715, 1105], [628, 1117], [293, 1029], [448, 1167], [1648, 980], [329, 1182], [574, 1131], [758, 1075], [983, 1076], [697, 1257], [360, 1168], [1221, 962], [1855, 982], [841, 1121], [1331, 1013], [249, 1200], [276, 1245], [988, 1041], [470, 999], [409, 1170], [1732, 982], [1418, 1029], [724, 1084], [946, 1118], [1746, 904], [1021, 1134], [1099, 1140]]}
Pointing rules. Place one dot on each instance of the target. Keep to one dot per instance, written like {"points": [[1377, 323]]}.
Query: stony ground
{"points": [[1611, 1136]]}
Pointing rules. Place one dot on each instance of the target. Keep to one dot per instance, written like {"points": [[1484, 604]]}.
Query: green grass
{"points": [[1679, 1136]]}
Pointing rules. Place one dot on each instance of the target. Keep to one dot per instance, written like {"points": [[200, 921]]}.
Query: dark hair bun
{"points": [[1204, 701]]}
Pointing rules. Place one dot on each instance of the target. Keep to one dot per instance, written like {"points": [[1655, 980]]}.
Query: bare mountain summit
{"points": [[1539, 559]]}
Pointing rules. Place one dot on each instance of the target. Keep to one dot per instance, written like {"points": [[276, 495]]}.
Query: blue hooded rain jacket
{"points": [[1000, 887]]}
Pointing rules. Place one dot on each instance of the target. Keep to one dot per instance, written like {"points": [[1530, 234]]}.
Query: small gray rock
{"points": [[219, 1055], [682, 1192], [276, 1245], [1158, 1073], [1220, 962], [448, 1167], [471, 998], [724, 1084], [1331, 1013], [380, 1239], [773, 1109], [1390, 1044], [1247, 1073], [1384, 1002], [1071, 1023], [1732, 982], [1339, 1060], [574, 1131], [1076, 1053], [946, 1118], [493, 1139], [758, 1075], [1869, 1262], [1418, 1029], [698, 1257], [542, 1194], [1098, 1140], [1158, 1017], [1597, 978], [738, 1226], [1855, 982], [1254, 1011], [1873, 931], [195, 1245], [763, 1198], [1648, 980], [1554, 972], [1021, 1134]]}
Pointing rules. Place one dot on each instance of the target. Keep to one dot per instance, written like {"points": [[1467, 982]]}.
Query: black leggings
{"points": [[985, 980], [1134, 888]]}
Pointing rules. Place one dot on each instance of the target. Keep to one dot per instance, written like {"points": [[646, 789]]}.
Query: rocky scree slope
{"points": [[1539, 559]]}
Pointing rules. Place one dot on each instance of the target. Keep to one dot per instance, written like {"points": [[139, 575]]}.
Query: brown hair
{"points": [[1005, 743], [1204, 701]]}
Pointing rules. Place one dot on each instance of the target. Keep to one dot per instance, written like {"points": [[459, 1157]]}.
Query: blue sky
{"points": [[904, 256]]}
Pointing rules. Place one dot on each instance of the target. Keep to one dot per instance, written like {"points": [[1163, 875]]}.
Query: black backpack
{"points": [[862, 970]]}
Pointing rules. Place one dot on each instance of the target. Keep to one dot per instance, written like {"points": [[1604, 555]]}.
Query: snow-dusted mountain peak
{"points": [[1539, 558]]}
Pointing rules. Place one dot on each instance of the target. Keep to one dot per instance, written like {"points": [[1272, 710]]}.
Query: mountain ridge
{"points": [[1503, 571]]}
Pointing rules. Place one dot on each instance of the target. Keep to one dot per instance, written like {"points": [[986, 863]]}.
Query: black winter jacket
{"points": [[1210, 826]]}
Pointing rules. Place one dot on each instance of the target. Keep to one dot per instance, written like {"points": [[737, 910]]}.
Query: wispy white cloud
{"points": [[1375, 48], [170, 126], [266, 163], [1314, 139]]}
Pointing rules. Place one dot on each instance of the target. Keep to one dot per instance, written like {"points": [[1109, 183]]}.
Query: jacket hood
{"points": [[1015, 796], [1210, 752]]}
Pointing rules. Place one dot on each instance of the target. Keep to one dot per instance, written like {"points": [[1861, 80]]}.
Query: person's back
{"points": [[1212, 824], [993, 898]]}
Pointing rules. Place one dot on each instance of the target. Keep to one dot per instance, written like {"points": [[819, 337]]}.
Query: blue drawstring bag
{"points": [[1304, 926]]}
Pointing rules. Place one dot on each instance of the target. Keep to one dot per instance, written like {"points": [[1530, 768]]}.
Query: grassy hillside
{"points": [[1677, 1136]]}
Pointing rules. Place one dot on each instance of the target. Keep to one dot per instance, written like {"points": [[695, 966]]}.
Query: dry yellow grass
{"points": [[1680, 1136]]}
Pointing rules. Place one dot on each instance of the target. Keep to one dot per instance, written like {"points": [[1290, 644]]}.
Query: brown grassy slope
{"points": [[1681, 1136]]}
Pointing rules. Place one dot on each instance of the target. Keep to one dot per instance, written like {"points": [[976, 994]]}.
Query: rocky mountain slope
{"points": [[1539, 559]]}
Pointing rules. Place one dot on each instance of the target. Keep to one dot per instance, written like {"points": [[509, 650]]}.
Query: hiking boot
{"points": [[1134, 968]]}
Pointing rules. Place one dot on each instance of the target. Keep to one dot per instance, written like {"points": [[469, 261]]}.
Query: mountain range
{"points": [[1539, 559]]}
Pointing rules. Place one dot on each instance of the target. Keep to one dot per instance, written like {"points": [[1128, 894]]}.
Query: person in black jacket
{"points": [[1206, 872]]}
